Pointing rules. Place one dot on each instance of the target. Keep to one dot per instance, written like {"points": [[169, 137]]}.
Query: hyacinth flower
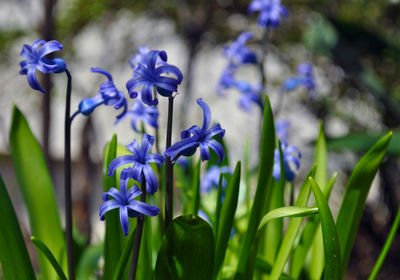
{"points": [[140, 111], [140, 57], [141, 159], [291, 162], [250, 94], [238, 53], [195, 137], [281, 130], [149, 75], [211, 178], [35, 60], [304, 78], [108, 95], [271, 12], [125, 200], [227, 79]]}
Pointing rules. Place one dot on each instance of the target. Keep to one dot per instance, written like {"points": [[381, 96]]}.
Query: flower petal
{"points": [[151, 179], [123, 216], [107, 206], [144, 208], [119, 161]]}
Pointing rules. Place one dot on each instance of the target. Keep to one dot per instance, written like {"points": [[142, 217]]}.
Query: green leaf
{"points": [[307, 236], [386, 247], [292, 230], [355, 196], [196, 189], [113, 233], [226, 218], [89, 262], [14, 258], [265, 268], [123, 260], [187, 250], [333, 265], [361, 141], [38, 192], [218, 204], [263, 193], [47, 253]]}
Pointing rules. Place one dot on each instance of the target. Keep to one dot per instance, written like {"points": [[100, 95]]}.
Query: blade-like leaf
{"points": [[123, 260], [89, 262], [187, 251], [218, 205], [14, 258], [355, 196], [47, 253], [38, 192], [333, 263], [195, 201], [226, 218], [292, 231], [265, 268], [263, 193]]}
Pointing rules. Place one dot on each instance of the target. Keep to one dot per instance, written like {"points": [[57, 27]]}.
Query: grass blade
{"points": [[196, 189], [123, 260], [263, 193], [14, 258], [38, 192], [355, 196], [47, 253], [333, 265], [89, 262]]}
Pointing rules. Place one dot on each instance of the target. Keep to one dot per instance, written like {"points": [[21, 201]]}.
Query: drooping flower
{"points": [[141, 159], [304, 78], [140, 57], [35, 60], [149, 75], [291, 162], [281, 130], [195, 137], [271, 12], [238, 53], [211, 178], [125, 200], [108, 95], [140, 111]]}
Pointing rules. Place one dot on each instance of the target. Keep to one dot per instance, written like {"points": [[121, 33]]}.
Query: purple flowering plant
{"points": [[150, 209]]}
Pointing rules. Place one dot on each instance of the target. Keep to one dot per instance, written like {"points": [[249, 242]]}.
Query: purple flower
{"points": [[250, 94], [140, 57], [140, 158], [195, 136], [281, 130], [108, 95], [238, 53], [304, 78], [271, 12], [35, 59], [150, 74], [140, 111], [211, 178], [227, 79], [291, 157], [125, 201]]}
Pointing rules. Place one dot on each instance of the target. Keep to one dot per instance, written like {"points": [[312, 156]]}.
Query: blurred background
{"points": [[353, 45]]}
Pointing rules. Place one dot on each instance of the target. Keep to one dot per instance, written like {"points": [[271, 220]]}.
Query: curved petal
{"points": [[147, 144], [204, 152], [156, 158], [133, 147], [133, 192], [167, 68], [136, 172], [144, 208], [107, 206], [216, 129], [49, 47], [206, 114], [33, 82], [151, 179], [123, 216], [113, 192], [218, 149], [119, 161], [276, 172], [102, 71], [180, 146]]}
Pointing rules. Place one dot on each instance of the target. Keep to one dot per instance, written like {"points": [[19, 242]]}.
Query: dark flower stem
{"points": [[138, 235], [67, 179], [169, 168]]}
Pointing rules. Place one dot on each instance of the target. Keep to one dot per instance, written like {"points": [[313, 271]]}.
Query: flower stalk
{"points": [[169, 191]]}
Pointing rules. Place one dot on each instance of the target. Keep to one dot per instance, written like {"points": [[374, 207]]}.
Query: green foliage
{"points": [[187, 250], [14, 257], [38, 192], [89, 262]]}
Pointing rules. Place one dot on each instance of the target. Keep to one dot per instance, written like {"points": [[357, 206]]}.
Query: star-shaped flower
{"points": [[140, 158], [125, 201], [304, 78], [108, 95], [35, 60], [271, 12], [238, 53], [195, 137], [291, 157], [140, 111], [150, 74]]}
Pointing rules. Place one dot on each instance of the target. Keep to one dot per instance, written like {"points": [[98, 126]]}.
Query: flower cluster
{"points": [[271, 12], [304, 78]]}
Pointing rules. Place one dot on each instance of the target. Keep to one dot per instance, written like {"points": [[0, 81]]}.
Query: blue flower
{"points": [[195, 136], [140, 111], [304, 78], [211, 178], [149, 74], [140, 158], [238, 53], [140, 57], [271, 12], [281, 130], [291, 157], [35, 59], [250, 95], [108, 95], [227, 79], [125, 201]]}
